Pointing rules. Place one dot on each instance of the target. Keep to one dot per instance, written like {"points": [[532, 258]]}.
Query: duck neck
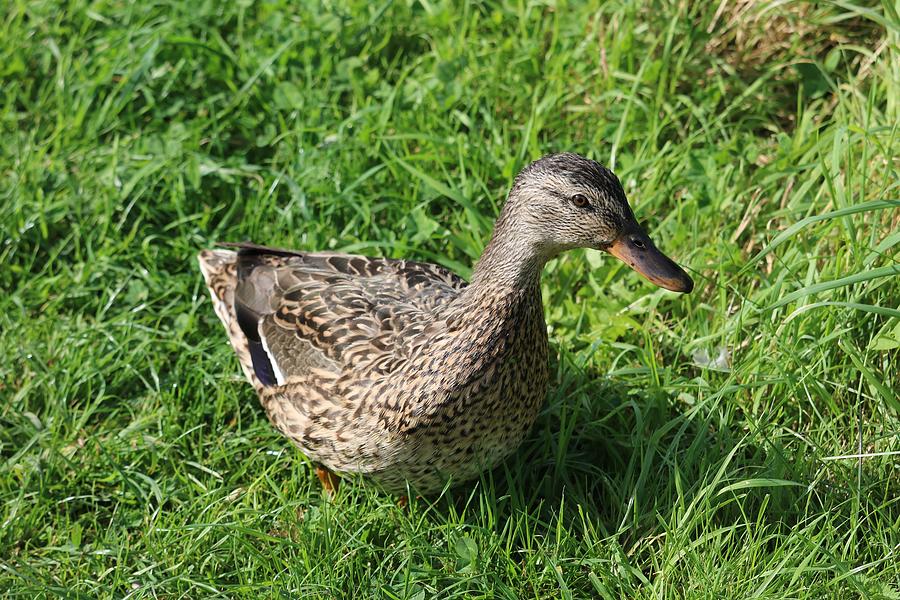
{"points": [[509, 264]]}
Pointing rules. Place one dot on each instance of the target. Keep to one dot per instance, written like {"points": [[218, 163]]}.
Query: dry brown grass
{"points": [[751, 35]]}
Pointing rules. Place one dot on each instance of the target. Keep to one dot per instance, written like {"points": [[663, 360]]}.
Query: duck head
{"points": [[565, 201]]}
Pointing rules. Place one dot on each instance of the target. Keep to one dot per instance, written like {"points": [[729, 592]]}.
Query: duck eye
{"points": [[580, 200]]}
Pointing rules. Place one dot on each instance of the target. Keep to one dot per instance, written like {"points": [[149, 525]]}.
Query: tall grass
{"points": [[739, 442]]}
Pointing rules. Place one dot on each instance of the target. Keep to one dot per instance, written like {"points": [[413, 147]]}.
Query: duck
{"points": [[402, 371]]}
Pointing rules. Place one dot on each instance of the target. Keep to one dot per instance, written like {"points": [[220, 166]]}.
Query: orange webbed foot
{"points": [[330, 481]]}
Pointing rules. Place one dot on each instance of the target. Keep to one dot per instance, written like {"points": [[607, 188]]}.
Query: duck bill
{"points": [[638, 251]]}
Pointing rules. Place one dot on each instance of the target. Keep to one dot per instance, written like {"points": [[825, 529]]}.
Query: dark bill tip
{"points": [[639, 252]]}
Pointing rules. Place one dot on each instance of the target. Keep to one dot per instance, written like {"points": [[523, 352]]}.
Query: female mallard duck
{"points": [[402, 371]]}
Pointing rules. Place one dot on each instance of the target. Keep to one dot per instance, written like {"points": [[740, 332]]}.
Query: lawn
{"points": [[741, 441]]}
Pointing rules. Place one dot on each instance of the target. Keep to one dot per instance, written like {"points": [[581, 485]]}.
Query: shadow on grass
{"points": [[632, 463]]}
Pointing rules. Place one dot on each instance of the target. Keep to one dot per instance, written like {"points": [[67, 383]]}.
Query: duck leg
{"points": [[329, 480], [403, 501]]}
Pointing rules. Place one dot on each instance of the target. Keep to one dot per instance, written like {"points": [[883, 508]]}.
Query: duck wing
{"points": [[314, 312]]}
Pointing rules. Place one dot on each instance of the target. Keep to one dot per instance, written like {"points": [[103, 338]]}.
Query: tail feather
{"points": [[219, 268]]}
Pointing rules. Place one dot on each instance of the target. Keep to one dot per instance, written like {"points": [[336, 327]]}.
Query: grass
{"points": [[743, 441]]}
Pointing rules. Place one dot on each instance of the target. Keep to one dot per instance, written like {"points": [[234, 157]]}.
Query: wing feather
{"points": [[332, 312]]}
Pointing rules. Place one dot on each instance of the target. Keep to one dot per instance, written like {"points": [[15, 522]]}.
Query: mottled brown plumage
{"points": [[401, 370]]}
